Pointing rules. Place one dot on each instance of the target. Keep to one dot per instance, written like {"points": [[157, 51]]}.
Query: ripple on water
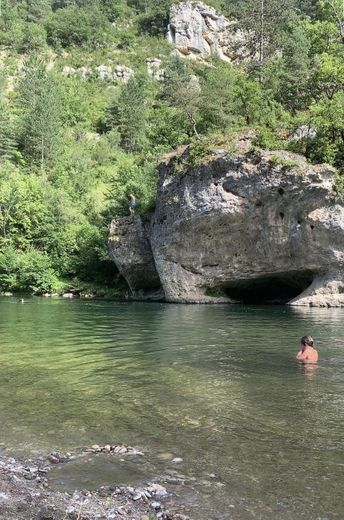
{"points": [[217, 386]]}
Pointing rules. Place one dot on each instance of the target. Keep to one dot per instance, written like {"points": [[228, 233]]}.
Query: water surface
{"points": [[218, 386]]}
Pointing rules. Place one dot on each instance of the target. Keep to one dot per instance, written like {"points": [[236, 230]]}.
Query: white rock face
{"points": [[257, 227], [198, 31], [129, 247], [155, 70], [102, 72], [303, 132], [123, 73]]}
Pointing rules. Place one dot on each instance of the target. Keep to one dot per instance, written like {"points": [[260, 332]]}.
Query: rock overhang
{"points": [[266, 218]]}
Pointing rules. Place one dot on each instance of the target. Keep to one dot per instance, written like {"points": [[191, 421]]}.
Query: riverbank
{"points": [[90, 292], [85, 292], [26, 493]]}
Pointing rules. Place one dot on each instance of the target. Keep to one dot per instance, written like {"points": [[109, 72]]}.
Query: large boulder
{"points": [[255, 227], [130, 249], [198, 31]]}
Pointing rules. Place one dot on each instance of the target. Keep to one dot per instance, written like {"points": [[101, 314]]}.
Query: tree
{"points": [[328, 76], [127, 114], [8, 144], [155, 19], [333, 11], [39, 99], [114, 9], [267, 20], [78, 26], [183, 91], [308, 8], [218, 106], [286, 76], [37, 10], [327, 117]]}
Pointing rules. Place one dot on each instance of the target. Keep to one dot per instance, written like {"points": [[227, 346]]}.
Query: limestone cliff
{"points": [[258, 227], [129, 247], [198, 31]]}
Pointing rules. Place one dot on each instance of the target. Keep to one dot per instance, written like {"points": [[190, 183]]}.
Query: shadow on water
{"points": [[216, 385]]}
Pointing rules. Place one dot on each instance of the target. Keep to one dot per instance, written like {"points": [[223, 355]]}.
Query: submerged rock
{"points": [[256, 227]]}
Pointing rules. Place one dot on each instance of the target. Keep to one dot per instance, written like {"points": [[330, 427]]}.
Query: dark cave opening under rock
{"points": [[275, 289]]}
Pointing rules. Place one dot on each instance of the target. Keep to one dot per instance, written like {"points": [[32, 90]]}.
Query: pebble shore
{"points": [[26, 494]]}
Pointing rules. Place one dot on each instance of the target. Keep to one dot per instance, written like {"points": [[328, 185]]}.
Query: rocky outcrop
{"points": [[102, 72], [255, 227], [116, 73], [130, 249], [155, 70], [303, 132], [198, 31]]}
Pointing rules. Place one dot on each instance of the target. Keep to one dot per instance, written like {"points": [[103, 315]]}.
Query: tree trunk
{"points": [[261, 40], [42, 152]]}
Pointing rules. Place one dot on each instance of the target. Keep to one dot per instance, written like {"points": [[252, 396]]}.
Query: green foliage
{"points": [[8, 144], [155, 18], [114, 9], [268, 21], [38, 10], [29, 271], [41, 113], [327, 117], [163, 127], [277, 160], [78, 26], [126, 114], [33, 39], [182, 90], [327, 76], [132, 177], [219, 101], [332, 10], [267, 139], [339, 184]]}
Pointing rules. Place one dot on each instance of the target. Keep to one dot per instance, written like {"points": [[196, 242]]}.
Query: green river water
{"points": [[218, 386]]}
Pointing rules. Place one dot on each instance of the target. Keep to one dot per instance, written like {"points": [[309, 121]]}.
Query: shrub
{"points": [[27, 271], [78, 26]]}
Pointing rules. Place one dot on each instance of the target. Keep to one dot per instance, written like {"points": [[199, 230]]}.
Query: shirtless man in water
{"points": [[307, 354]]}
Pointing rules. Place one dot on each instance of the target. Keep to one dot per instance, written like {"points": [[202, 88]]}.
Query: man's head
{"points": [[307, 341]]}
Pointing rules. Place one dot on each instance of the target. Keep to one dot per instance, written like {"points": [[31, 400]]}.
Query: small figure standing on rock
{"points": [[307, 354], [133, 205]]}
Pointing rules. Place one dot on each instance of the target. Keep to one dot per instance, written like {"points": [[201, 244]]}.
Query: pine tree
{"points": [[8, 145], [267, 20], [127, 114], [37, 10], [41, 113]]}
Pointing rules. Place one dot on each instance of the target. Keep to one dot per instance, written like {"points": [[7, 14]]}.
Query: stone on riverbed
{"points": [[114, 449], [177, 460]]}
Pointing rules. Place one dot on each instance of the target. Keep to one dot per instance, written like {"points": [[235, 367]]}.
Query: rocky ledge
{"points": [[260, 227]]}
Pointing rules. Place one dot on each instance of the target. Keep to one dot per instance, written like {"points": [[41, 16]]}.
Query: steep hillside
{"points": [[93, 92]]}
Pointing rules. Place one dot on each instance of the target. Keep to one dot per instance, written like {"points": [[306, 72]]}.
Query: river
{"points": [[217, 386]]}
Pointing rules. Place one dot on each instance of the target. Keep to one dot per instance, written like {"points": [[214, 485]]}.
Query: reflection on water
{"points": [[215, 385]]}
